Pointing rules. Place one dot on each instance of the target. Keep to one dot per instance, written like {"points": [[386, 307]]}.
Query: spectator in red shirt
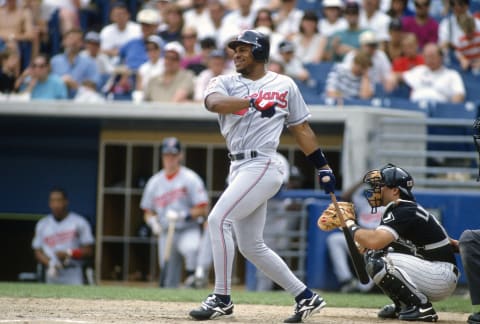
{"points": [[422, 25], [409, 57]]}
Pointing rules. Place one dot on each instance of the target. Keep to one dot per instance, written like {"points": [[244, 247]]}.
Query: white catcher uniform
{"points": [[254, 178], [70, 233], [180, 193]]}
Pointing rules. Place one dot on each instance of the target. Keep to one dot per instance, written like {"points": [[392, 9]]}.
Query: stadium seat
{"points": [[54, 33], [472, 85], [25, 53], [310, 95], [319, 72]]}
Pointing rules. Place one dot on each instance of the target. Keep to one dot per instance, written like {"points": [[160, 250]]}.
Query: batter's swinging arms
{"points": [[253, 106]]}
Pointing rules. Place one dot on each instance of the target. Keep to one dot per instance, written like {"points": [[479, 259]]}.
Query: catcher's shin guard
{"points": [[394, 283]]}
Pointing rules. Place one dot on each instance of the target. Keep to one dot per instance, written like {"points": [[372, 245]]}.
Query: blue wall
{"points": [[37, 154]]}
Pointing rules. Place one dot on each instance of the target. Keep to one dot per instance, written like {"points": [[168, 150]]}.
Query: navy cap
{"points": [[171, 145]]}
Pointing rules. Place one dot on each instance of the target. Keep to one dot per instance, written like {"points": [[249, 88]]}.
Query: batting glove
{"points": [[53, 267], [154, 225], [327, 180], [174, 216], [265, 107]]}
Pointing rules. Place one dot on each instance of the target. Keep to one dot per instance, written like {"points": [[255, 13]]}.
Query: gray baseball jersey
{"points": [[180, 193], [72, 232], [252, 181], [245, 129]]}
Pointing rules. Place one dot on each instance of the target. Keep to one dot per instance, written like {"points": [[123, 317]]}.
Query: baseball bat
{"points": [[167, 252], [355, 255]]}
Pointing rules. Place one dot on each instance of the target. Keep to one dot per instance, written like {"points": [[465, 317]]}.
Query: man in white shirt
{"points": [[199, 18], [374, 19], [433, 81], [449, 31], [120, 31]]}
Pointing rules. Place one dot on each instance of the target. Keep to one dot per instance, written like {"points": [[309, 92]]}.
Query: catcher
{"points": [[409, 255]]}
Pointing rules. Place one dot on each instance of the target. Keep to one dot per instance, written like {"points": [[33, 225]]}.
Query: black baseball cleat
{"points": [[211, 308], [389, 311], [306, 308], [474, 318], [424, 313]]}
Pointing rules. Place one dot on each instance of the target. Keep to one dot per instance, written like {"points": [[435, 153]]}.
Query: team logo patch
{"points": [[388, 218]]}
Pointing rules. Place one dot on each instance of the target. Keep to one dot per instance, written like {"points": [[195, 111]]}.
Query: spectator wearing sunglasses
{"points": [[422, 25]]}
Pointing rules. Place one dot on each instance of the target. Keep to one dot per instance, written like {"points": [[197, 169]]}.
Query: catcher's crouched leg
{"points": [[396, 286]]}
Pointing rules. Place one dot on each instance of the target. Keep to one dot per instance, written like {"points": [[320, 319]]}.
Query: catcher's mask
{"points": [[390, 176], [476, 140]]}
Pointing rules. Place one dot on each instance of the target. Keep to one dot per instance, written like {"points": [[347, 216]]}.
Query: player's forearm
{"points": [[199, 211], [225, 104], [41, 257], [305, 137]]}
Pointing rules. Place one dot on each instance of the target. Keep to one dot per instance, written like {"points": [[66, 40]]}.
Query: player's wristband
{"points": [[75, 253], [317, 158], [353, 229]]}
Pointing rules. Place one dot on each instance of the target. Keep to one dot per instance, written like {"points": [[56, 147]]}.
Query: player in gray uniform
{"points": [[253, 106], [175, 194], [62, 242], [412, 257]]}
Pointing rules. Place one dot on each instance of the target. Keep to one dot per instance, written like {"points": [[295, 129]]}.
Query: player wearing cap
{"points": [[175, 194], [411, 256], [253, 106]]}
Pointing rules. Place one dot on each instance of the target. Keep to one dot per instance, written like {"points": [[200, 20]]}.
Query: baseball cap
{"points": [[155, 39], [148, 16], [368, 37], [286, 46], [332, 3], [93, 37], [352, 6], [171, 145], [175, 47], [217, 53]]}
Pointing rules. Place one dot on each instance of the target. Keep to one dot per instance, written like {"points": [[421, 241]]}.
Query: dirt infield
{"points": [[50, 311]]}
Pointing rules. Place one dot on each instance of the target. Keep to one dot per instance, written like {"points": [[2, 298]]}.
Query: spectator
{"points": [[92, 50], [88, 93], [40, 83], [207, 45], [63, 242], [351, 81], [9, 70], [337, 246], [174, 84], [222, 32], [287, 18], [393, 47], [190, 43], [174, 22], [40, 25], [152, 68], [309, 43], [433, 81], [241, 18], [375, 20], [134, 53], [469, 245], [410, 56], [468, 48], [342, 42], [264, 23], [293, 65], [72, 67], [16, 25], [399, 9], [449, 31], [198, 17], [69, 12], [216, 66], [276, 66], [423, 26], [161, 6], [120, 31], [333, 20], [381, 68], [176, 194]]}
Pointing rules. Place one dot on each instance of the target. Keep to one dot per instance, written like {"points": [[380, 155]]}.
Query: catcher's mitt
{"points": [[329, 219]]}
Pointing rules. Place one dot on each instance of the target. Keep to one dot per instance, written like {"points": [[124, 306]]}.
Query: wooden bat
{"points": [[167, 252], [355, 256]]}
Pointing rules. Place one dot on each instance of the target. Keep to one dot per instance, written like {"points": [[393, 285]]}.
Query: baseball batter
{"points": [[62, 242], [412, 257], [253, 106], [176, 194]]}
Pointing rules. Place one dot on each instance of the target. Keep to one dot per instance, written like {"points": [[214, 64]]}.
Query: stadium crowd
{"points": [[166, 50]]}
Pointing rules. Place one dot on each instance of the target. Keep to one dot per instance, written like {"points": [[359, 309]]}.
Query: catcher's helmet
{"points": [[260, 44], [390, 176]]}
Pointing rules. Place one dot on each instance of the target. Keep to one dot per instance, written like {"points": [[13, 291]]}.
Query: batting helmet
{"points": [[260, 44]]}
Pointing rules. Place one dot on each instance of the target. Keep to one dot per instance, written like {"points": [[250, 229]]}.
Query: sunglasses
{"points": [[42, 65]]}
